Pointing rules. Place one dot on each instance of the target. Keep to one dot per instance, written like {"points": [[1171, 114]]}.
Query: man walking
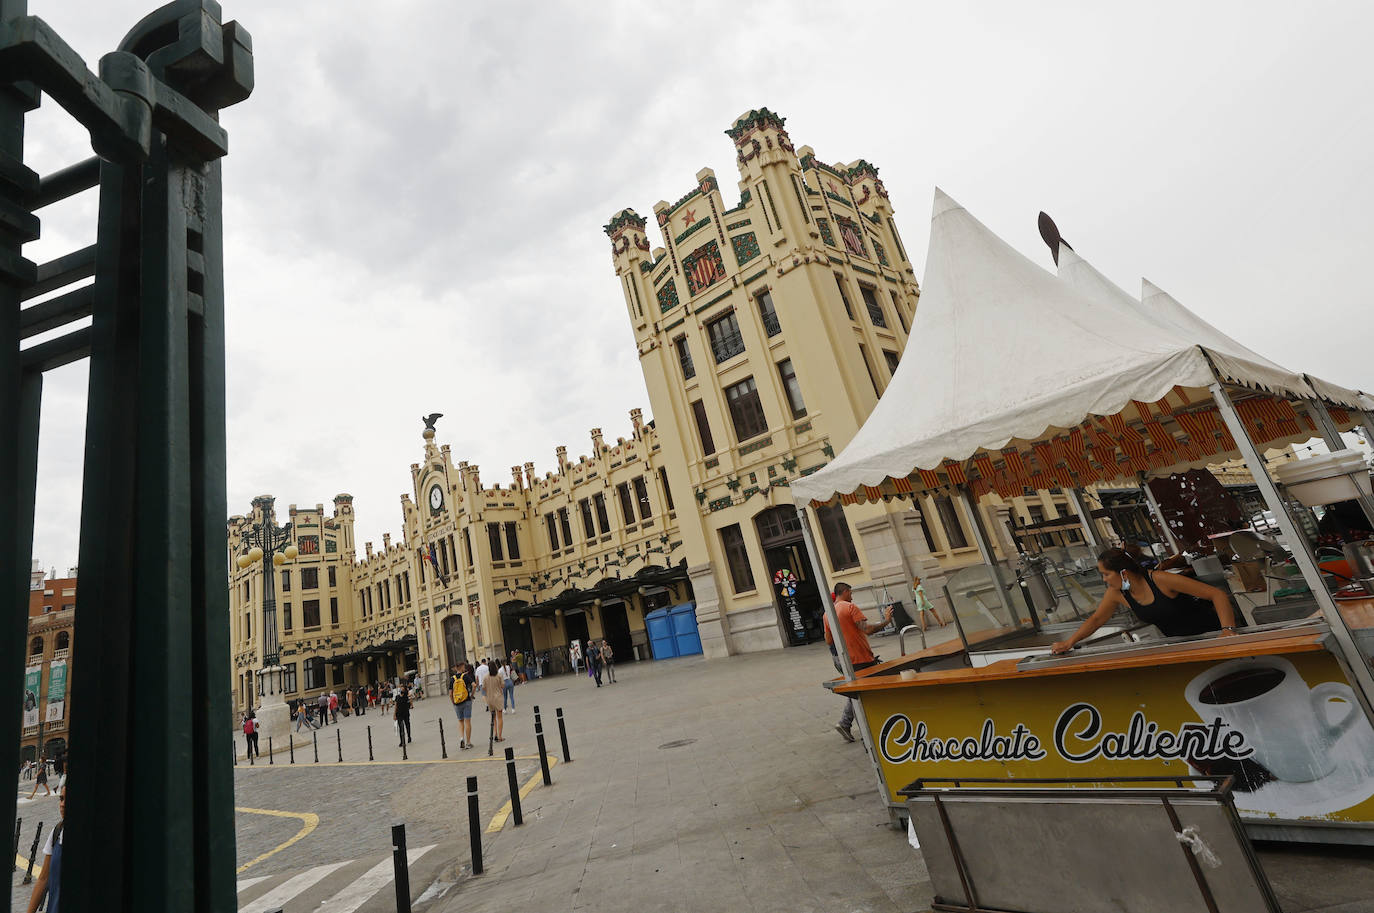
{"points": [[854, 629], [608, 660], [402, 714], [323, 705], [462, 687]]}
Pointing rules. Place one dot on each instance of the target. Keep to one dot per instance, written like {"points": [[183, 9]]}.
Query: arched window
{"points": [[36, 647], [64, 640]]}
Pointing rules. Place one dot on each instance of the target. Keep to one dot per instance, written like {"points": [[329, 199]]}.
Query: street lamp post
{"points": [[261, 540]]}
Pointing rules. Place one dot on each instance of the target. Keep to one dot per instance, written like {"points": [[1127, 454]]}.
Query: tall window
{"points": [[405, 576], [868, 366], [737, 557], [897, 306], [310, 613], [684, 358], [602, 519], [334, 610], [286, 617], [838, 542], [927, 518], [642, 498], [708, 444], [564, 525], [844, 296], [551, 524], [286, 581], [288, 678], [467, 544], [512, 541], [745, 409], [875, 310], [892, 359], [333, 576], [310, 578], [769, 316], [494, 540], [726, 341], [667, 492], [588, 525], [314, 673], [793, 388], [950, 520], [627, 508], [443, 556]]}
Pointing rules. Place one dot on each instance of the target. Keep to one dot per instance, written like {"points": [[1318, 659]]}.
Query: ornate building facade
{"points": [[47, 698]]}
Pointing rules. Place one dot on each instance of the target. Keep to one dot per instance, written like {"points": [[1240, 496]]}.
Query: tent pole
{"points": [[980, 536], [1089, 530], [1332, 436], [1347, 652], [1159, 515], [845, 662]]}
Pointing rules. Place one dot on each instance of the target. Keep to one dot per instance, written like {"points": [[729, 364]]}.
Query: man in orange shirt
{"points": [[854, 628]]}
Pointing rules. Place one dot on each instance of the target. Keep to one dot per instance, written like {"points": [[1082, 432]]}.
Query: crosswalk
{"points": [[317, 888]]}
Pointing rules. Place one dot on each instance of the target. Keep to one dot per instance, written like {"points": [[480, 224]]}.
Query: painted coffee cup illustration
{"points": [[1284, 721]]}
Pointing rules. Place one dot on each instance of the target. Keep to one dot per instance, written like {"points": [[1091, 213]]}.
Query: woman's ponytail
{"points": [[1116, 559]]}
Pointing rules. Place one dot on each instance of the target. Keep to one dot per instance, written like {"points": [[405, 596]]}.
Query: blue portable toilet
{"points": [[684, 622], [660, 627]]}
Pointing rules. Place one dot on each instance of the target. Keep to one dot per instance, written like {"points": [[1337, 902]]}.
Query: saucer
{"points": [[1349, 784]]}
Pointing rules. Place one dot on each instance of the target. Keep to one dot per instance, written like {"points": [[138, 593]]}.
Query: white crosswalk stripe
{"points": [[246, 883], [358, 893], [288, 889]]}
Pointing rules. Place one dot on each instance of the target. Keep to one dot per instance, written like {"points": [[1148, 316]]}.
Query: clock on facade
{"points": [[436, 498]]}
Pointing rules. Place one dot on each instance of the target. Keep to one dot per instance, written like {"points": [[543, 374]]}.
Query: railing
{"points": [[770, 324], [875, 314], [727, 347]]}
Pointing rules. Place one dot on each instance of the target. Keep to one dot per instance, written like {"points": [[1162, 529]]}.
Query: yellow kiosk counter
{"points": [[1270, 706]]}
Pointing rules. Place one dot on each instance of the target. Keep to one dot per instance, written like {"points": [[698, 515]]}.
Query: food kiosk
{"points": [[1112, 388]]}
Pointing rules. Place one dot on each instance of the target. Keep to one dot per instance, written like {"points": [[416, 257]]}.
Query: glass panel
{"points": [[973, 598]]}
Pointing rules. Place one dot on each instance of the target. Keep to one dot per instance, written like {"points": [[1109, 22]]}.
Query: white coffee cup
{"points": [[1282, 719]]}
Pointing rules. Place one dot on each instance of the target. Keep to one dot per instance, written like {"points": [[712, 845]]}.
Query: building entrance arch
{"points": [[798, 599]]}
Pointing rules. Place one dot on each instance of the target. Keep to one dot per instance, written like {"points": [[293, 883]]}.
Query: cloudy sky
{"points": [[415, 194]]}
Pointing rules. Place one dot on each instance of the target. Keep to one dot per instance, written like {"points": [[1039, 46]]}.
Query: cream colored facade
{"points": [[766, 331]]}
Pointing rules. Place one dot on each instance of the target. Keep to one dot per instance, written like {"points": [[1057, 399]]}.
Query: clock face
{"points": [[436, 498]]}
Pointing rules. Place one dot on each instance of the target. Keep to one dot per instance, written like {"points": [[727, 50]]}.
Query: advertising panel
{"points": [[33, 676], [57, 691], [1287, 727]]}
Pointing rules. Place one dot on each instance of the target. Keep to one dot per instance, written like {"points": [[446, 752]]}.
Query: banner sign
{"points": [[33, 676], [57, 691], [1288, 728]]}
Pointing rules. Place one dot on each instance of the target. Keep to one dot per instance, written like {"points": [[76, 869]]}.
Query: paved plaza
{"points": [[717, 785]]}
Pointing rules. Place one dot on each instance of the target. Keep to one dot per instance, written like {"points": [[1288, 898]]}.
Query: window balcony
{"points": [[771, 325], [727, 347]]}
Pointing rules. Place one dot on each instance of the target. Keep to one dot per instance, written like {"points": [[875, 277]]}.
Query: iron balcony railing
{"points": [[770, 324], [727, 347]]}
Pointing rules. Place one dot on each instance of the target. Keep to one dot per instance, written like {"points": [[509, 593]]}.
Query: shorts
{"points": [[464, 710]]}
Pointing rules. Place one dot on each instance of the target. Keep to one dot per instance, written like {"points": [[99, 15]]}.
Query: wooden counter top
{"points": [[1292, 640]]}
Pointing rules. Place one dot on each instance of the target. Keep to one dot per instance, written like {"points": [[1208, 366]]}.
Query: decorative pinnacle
{"points": [[754, 120]]}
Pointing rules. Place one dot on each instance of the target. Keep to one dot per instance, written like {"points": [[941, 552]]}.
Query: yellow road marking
{"points": [[309, 821], [498, 821], [21, 862], [332, 764]]}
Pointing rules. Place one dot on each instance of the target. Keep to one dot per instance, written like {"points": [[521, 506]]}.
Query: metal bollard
{"points": [[338, 741], [270, 761], [315, 741], [514, 788], [369, 742], [33, 853], [18, 823], [250, 754], [537, 719], [291, 745], [402, 867], [543, 752], [474, 827], [443, 749], [563, 736], [405, 753]]}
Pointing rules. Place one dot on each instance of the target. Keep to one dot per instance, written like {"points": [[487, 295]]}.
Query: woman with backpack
{"points": [[462, 688]]}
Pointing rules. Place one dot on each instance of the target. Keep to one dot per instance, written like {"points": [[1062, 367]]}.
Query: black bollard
{"points": [[315, 741], [543, 752], [402, 867], [514, 788], [270, 762], [33, 853], [474, 827], [536, 715], [250, 754], [18, 823], [443, 748], [405, 753], [369, 742], [338, 741], [291, 746], [563, 736]]}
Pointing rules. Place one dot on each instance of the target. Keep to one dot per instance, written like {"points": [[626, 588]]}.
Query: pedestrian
{"points": [[402, 715], [854, 629], [594, 662], [323, 706], [334, 706], [575, 656], [494, 690], [480, 675], [608, 661], [508, 674], [384, 695], [302, 716], [362, 699], [42, 777], [48, 882], [462, 691], [923, 603]]}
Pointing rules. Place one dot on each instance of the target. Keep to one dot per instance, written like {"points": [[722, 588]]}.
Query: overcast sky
{"points": [[415, 194]]}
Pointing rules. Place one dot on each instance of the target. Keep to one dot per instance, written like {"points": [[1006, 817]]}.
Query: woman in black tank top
{"points": [[1177, 605]]}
